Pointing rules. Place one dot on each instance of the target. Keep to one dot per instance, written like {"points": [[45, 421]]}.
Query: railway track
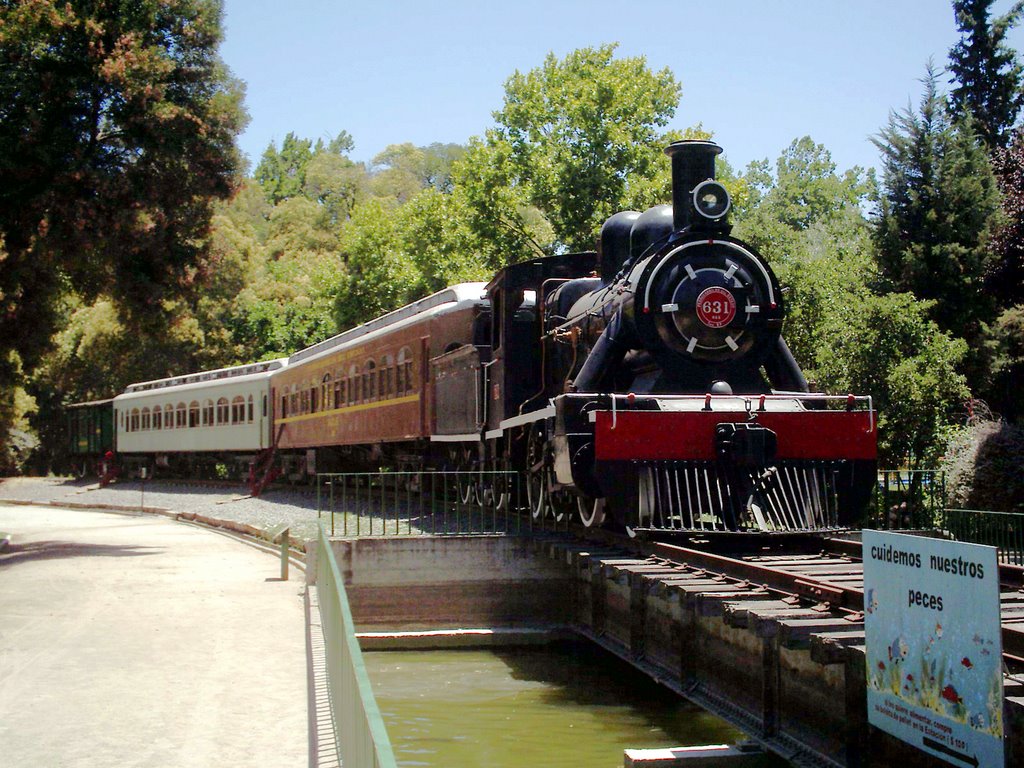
{"points": [[812, 586]]}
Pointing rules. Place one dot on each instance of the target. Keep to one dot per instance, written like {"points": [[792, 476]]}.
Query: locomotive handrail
{"points": [[704, 241], [777, 396]]}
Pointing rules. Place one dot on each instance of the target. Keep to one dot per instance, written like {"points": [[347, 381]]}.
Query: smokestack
{"points": [[692, 163]]}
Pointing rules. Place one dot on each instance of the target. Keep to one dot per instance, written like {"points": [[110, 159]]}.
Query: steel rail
{"points": [[844, 598]]}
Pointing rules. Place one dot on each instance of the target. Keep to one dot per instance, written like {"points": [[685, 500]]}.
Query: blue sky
{"points": [[758, 73]]}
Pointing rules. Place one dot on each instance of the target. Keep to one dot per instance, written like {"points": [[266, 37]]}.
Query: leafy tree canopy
{"points": [[886, 346], [802, 191], [1004, 346], [1005, 271], [807, 220], [117, 123], [804, 187], [281, 173], [507, 227], [577, 132], [402, 170]]}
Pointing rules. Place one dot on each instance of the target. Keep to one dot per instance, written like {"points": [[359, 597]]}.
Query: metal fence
{"points": [[462, 502], [908, 499], [358, 726], [1002, 530], [916, 500], [431, 503]]}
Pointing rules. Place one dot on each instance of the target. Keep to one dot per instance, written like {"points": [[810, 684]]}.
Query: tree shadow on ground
{"points": [[17, 554]]}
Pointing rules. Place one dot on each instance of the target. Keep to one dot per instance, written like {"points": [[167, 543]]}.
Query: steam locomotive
{"points": [[646, 385]]}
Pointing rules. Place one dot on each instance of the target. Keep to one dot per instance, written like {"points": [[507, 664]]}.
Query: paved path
{"points": [[138, 641]]}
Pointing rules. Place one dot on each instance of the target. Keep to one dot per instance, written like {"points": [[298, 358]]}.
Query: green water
{"points": [[562, 705]]}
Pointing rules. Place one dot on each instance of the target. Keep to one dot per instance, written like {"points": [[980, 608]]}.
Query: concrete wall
{"points": [[449, 582]]}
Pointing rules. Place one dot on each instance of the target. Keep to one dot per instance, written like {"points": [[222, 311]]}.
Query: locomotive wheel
{"points": [[561, 503], [494, 492], [591, 511], [466, 488], [537, 494], [466, 484], [537, 475]]}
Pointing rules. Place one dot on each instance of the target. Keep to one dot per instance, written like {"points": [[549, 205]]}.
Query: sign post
{"points": [[934, 646]]}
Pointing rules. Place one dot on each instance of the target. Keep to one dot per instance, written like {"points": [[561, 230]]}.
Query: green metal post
{"points": [[285, 542]]}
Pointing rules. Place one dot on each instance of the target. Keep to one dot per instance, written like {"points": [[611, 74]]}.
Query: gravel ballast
{"points": [[396, 513], [296, 508]]}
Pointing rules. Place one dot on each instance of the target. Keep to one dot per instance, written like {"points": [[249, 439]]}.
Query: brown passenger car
{"points": [[364, 396]]}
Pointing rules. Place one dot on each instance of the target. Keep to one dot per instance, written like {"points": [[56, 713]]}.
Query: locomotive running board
{"points": [[516, 421], [466, 437], [526, 418]]}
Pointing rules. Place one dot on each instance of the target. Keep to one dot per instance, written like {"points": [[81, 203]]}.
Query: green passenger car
{"points": [[90, 429]]}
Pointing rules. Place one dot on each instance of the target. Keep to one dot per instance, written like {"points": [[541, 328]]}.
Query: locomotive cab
{"points": [[518, 296]]}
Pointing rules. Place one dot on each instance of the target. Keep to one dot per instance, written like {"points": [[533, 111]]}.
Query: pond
{"points": [[567, 704]]}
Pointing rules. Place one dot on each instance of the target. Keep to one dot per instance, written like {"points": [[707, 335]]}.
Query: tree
{"points": [[402, 170], [804, 187], [886, 347], [575, 133], [319, 172], [506, 226], [278, 271], [378, 276], [802, 191], [937, 209], [434, 236], [986, 73], [1004, 277], [117, 127], [806, 219], [337, 184], [1004, 345], [282, 174]]}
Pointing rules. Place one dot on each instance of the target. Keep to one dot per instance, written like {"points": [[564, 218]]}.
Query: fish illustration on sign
{"points": [[898, 650], [871, 602]]}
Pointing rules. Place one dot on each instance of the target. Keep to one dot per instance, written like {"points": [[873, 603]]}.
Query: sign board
{"points": [[934, 645]]}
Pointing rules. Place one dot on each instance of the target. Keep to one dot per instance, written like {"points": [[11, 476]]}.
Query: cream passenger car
{"points": [[224, 415]]}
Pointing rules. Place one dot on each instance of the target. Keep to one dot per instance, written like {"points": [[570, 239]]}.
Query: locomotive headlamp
{"points": [[711, 200]]}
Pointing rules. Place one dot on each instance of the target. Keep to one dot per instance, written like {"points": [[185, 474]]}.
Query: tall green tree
{"points": [[577, 131], [508, 228], [801, 191], [378, 274], [806, 219], [987, 77], [1004, 345], [117, 128], [281, 173], [937, 209], [321, 172], [887, 347], [804, 187]]}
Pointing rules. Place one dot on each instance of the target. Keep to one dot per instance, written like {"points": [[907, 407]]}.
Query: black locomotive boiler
{"points": [[668, 396]]}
